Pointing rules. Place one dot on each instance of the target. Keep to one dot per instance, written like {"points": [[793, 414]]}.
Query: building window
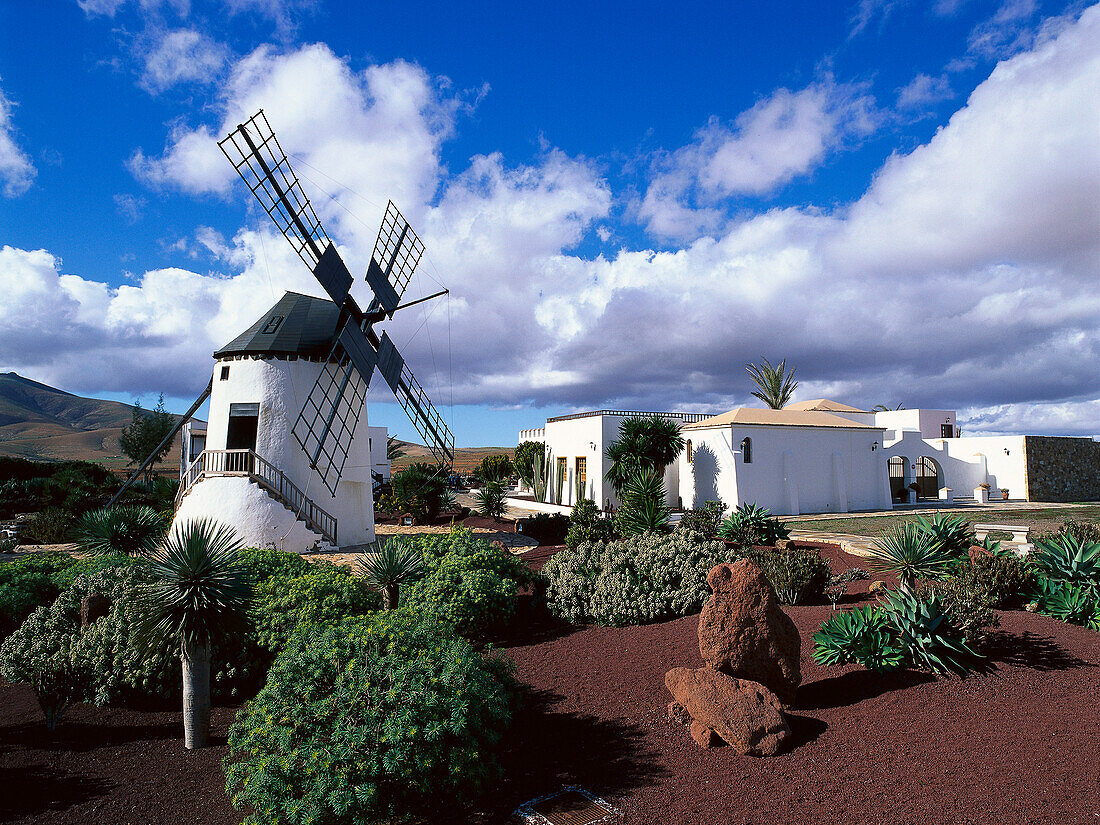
{"points": [[582, 471], [947, 431], [272, 325], [690, 452], [225, 374], [746, 450]]}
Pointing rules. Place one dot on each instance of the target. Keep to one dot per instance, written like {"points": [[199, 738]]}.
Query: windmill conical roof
{"points": [[297, 325]]}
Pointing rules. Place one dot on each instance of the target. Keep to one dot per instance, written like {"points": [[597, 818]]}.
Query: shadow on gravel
{"points": [[855, 686], [1030, 650], [545, 751], [804, 729], [80, 737], [32, 791]]}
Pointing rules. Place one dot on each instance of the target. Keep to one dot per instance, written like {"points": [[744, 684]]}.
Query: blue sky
{"points": [[628, 203]]}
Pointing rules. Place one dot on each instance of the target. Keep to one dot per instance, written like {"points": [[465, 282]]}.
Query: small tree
{"points": [[200, 593], [495, 467], [646, 443], [490, 501], [145, 433], [524, 458], [775, 383], [394, 564]]}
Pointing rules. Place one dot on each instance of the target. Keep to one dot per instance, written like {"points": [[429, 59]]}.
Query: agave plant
{"points": [[490, 500], [910, 553], [390, 566], [122, 531], [752, 524], [862, 636], [1072, 602], [953, 533], [200, 593], [1067, 558], [926, 635], [643, 508]]}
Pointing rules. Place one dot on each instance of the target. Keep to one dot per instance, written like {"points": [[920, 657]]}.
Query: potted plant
{"points": [[1004, 494], [981, 493]]}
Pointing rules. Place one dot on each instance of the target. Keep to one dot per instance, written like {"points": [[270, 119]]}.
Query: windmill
{"points": [[326, 423]]}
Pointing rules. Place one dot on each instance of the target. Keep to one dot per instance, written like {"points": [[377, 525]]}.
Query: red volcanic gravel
{"points": [[1018, 746]]}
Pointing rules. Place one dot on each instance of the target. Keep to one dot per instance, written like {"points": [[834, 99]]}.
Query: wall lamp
{"points": [[592, 445], [1006, 450], [874, 446]]}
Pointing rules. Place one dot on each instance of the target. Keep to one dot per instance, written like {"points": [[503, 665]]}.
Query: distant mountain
{"points": [[47, 424]]}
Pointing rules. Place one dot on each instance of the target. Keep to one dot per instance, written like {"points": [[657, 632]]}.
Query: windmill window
{"points": [[225, 374], [746, 450], [690, 452], [272, 325]]}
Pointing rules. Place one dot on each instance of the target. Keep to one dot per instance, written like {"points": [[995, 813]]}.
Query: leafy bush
{"points": [[490, 500], [642, 579], [495, 468], [1083, 531], [967, 604], [32, 486], [750, 524], [263, 563], [27, 583], [798, 576], [373, 720], [324, 594], [524, 459], [925, 632], [418, 490], [863, 636], [123, 531], [704, 520], [468, 582], [40, 654], [51, 526], [586, 523], [547, 528], [643, 505]]}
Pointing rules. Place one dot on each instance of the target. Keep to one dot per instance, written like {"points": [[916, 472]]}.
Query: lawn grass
{"points": [[1040, 521]]}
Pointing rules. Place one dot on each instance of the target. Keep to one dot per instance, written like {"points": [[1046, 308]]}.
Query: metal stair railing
{"points": [[267, 475]]}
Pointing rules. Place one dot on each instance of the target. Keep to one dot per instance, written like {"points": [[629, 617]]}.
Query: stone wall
{"points": [[1062, 469]]}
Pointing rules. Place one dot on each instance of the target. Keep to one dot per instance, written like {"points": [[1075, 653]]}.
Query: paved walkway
{"points": [[925, 507]]}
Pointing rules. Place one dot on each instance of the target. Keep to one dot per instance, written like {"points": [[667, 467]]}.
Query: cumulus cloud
{"points": [[182, 56], [786, 135], [964, 277], [17, 173]]}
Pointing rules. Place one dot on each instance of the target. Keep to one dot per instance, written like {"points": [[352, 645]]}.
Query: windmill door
{"points": [[244, 420]]}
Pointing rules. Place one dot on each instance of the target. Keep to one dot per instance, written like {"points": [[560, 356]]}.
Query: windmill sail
{"points": [[326, 424]]}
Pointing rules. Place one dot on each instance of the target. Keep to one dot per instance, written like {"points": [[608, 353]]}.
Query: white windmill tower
{"points": [[283, 463]]}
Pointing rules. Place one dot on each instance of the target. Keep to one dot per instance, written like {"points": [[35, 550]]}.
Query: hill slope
{"points": [[47, 424]]}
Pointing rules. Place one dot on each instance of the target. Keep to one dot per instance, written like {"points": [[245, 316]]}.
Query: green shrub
{"points": [[1083, 531], [123, 531], [642, 579], [925, 632], [495, 468], [263, 563], [967, 604], [704, 520], [40, 654], [587, 523], [468, 582], [1067, 558], [547, 528], [51, 526], [67, 574], [26, 583], [750, 524], [324, 594], [862, 636], [374, 720], [418, 490], [490, 500], [1072, 602], [798, 576]]}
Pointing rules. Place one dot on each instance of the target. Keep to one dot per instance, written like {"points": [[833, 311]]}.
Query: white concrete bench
{"points": [[1019, 534]]}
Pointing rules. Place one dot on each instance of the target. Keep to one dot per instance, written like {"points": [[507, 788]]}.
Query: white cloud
{"points": [[780, 138], [17, 173], [182, 56], [923, 91], [130, 207], [963, 278], [1006, 32]]}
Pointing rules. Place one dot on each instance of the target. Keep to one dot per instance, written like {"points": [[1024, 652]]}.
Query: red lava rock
{"points": [[745, 714], [92, 607], [744, 633], [704, 736], [677, 714], [975, 551]]}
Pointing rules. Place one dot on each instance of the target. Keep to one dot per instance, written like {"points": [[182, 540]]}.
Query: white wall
{"points": [[968, 461], [793, 469], [926, 422], [281, 388], [377, 436]]}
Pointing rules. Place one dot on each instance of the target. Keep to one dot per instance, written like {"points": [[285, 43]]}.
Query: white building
{"points": [[821, 456], [247, 470]]}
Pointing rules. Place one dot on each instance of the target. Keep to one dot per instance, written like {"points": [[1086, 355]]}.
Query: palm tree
{"points": [[394, 448], [646, 442], [395, 563], [776, 384], [885, 408], [201, 591]]}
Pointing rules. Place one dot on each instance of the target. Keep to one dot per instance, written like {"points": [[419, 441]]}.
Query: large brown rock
{"points": [[745, 714], [744, 633]]}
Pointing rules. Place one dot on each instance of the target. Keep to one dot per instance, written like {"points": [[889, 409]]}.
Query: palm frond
{"points": [[776, 385]]}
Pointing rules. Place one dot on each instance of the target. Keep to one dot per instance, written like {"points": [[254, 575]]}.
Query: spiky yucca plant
{"points": [[775, 383], [123, 531], [490, 501], [388, 567], [200, 592], [909, 553], [953, 533], [643, 509]]}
